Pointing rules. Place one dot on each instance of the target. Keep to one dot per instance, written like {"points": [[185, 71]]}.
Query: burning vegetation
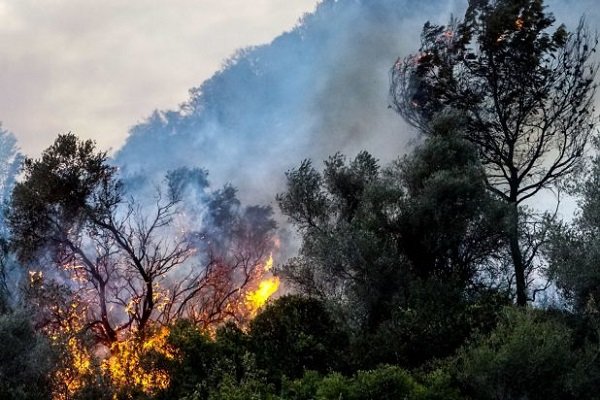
{"points": [[117, 271]]}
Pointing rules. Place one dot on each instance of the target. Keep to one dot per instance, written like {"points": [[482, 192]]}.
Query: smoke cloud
{"points": [[313, 91]]}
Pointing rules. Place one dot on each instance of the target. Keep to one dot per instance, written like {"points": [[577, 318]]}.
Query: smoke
{"points": [[10, 162], [313, 91]]}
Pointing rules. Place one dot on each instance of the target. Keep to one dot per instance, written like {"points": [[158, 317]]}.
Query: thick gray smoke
{"points": [[316, 90], [313, 91]]}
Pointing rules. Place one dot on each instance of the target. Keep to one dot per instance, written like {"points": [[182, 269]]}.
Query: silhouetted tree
{"points": [[525, 93], [368, 234]]}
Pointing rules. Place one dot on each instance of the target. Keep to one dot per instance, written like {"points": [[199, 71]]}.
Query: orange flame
{"points": [[256, 299], [124, 365]]}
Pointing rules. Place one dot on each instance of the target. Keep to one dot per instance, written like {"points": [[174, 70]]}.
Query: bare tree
{"points": [[123, 263]]}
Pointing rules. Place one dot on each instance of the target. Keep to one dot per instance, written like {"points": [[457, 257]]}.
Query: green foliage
{"points": [[233, 346], [248, 389], [294, 334], [304, 388], [26, 360], [437, 320], [71, 182], [384, 382], [450, 225], [252, 385], [396, 248], [197, 361], [529, 355], [574, 249], [439, 385]]}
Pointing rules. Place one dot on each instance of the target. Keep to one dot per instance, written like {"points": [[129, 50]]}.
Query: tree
{"points": [[10, 162], [369, 234], [69, 205], [294, 334], [525, 93], [116, 258], [573, 249]]}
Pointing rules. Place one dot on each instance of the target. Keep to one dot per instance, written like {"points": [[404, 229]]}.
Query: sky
{"points": [[96, 68]]}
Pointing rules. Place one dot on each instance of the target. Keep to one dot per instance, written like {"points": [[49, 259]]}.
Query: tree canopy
{"points": [[525, 91]]}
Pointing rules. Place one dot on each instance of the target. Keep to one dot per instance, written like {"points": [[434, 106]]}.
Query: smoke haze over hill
{"points": [[315, 90]]}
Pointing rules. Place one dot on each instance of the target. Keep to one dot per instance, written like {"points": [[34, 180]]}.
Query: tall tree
{"points": [[10, 163], [122, 265], [574, 249], [368, 232], [526, 93], [69, 207]]}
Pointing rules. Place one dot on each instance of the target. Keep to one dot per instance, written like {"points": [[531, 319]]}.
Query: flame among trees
{"points": [[112, 270]]}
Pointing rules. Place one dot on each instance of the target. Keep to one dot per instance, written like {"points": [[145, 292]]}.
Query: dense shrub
{"points": [[26, 360], [384, 382], [294, 334], [530, 355]]}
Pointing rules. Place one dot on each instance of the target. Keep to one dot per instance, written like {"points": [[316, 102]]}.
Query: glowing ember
{"points": [[125, 366], [519, 23]]}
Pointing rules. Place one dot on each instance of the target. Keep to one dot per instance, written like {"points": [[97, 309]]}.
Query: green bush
{"points": [[530, 355], [384, 383], [301, 389], [334, 386], [26, 360], [194, 368], [294, 334]]}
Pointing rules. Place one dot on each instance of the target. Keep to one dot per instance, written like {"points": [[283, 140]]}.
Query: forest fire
{"points": [[439, 264], [266, 288], [129, 363], [118, 272]]}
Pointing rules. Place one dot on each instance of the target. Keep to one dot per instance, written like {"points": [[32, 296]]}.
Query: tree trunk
{"points": [[109, 332], [517, 256]]}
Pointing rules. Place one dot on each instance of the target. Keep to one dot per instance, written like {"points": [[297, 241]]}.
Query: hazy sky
{"points": [[96, 67]]}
